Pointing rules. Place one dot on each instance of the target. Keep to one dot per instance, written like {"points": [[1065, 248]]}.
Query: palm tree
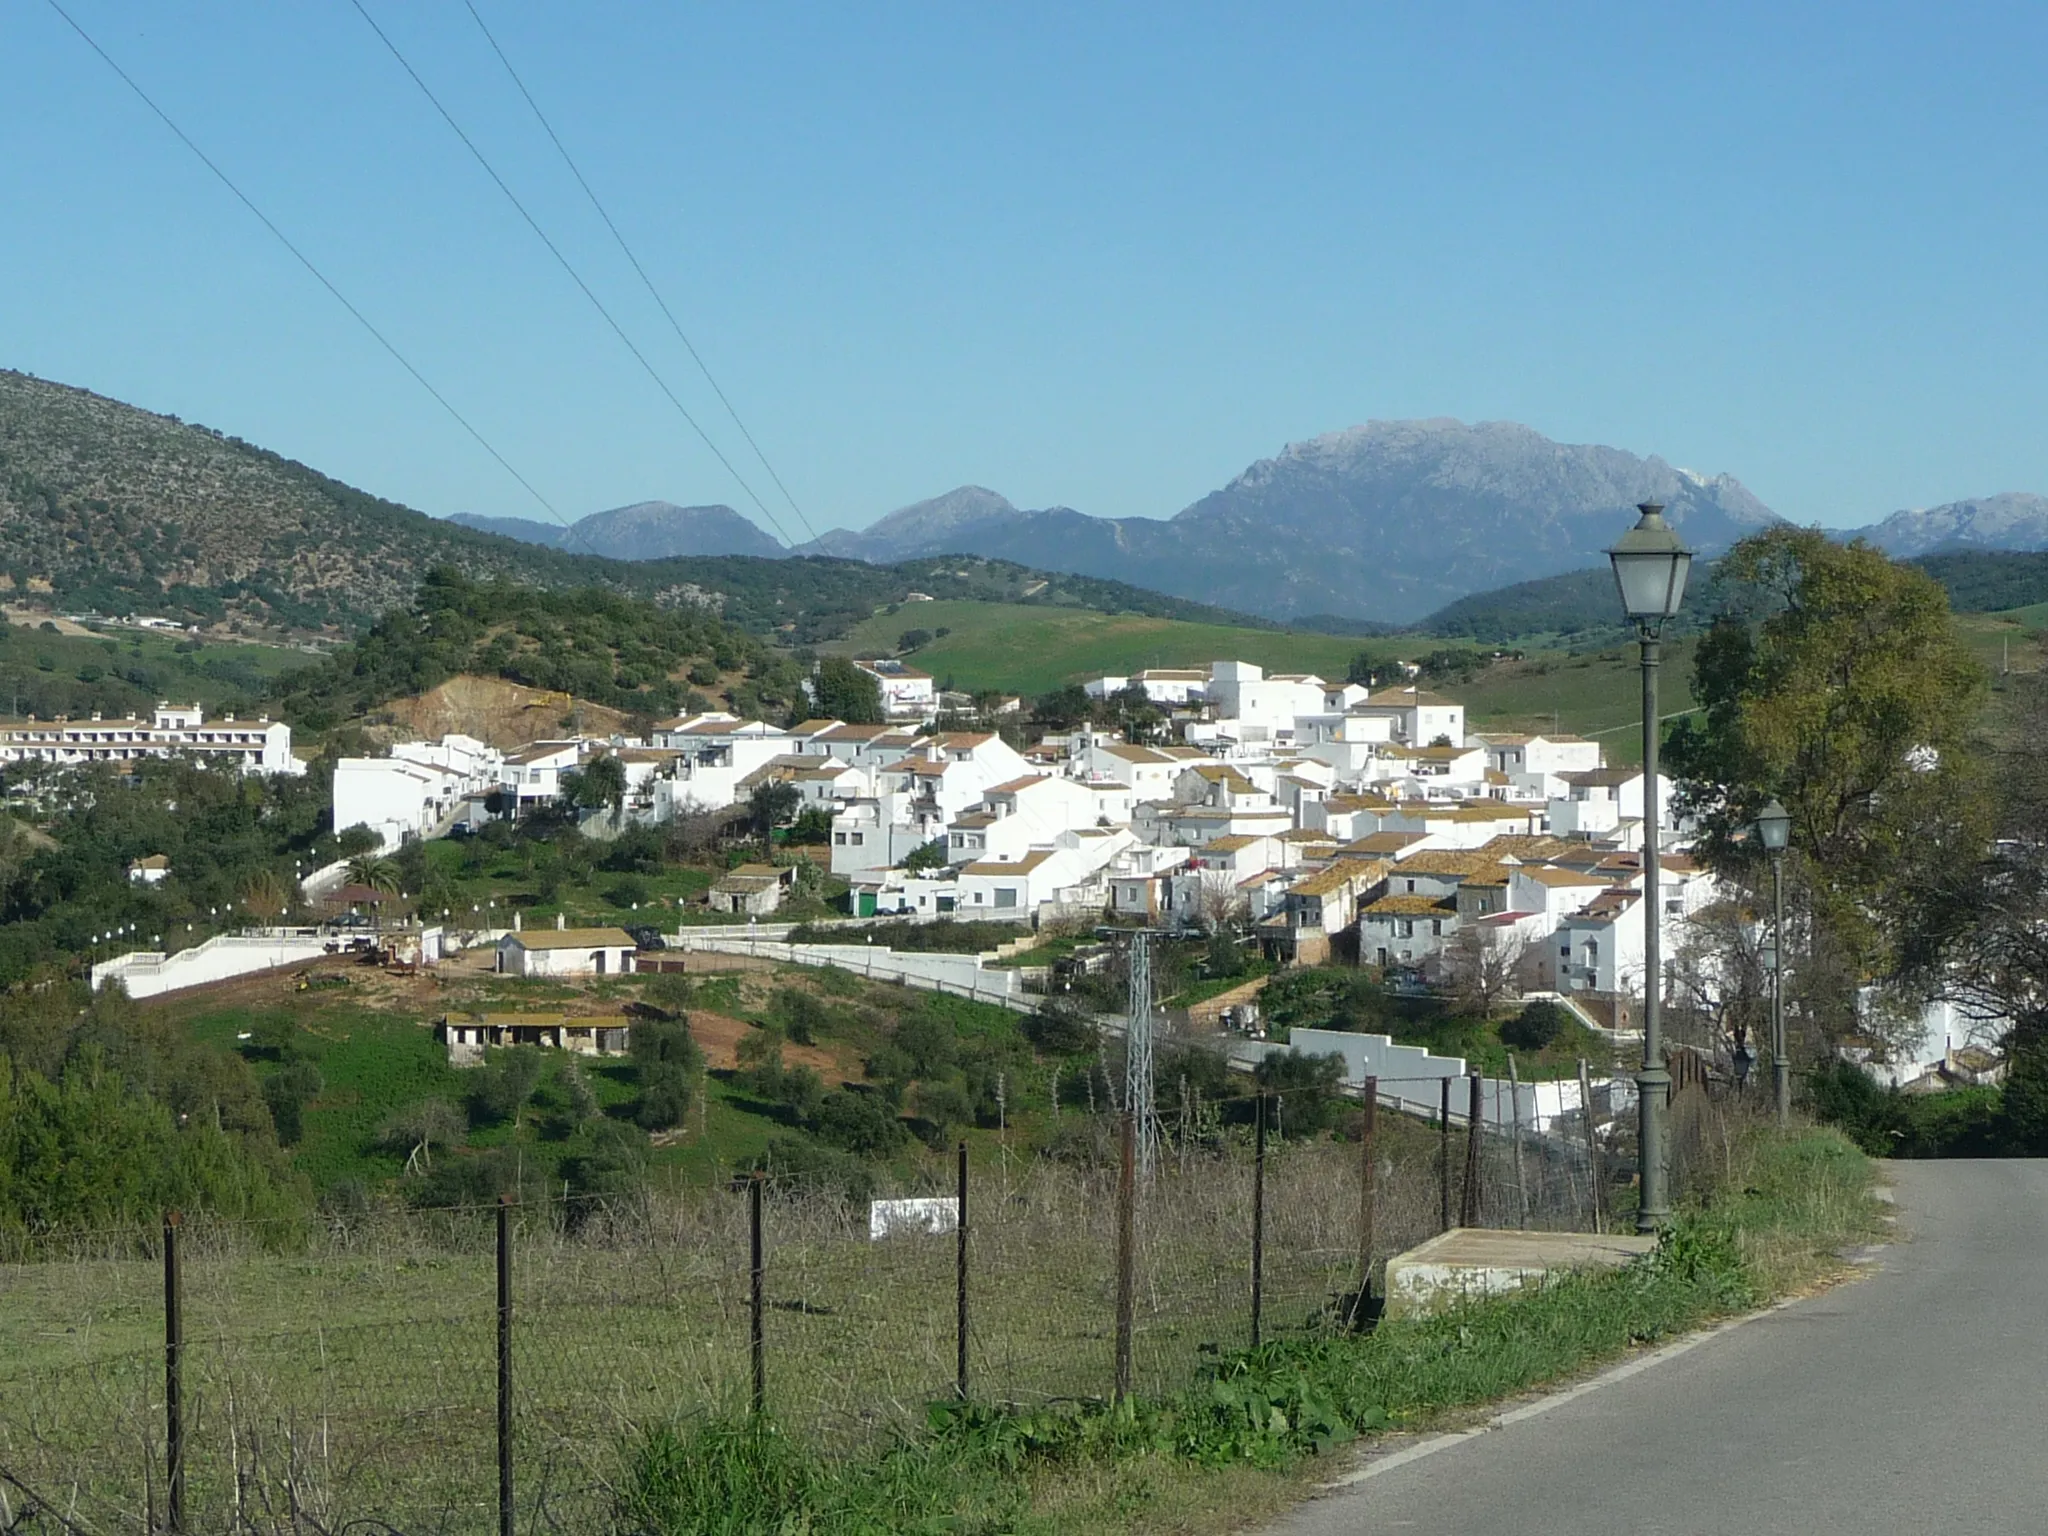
{"points": [[375, 872]]}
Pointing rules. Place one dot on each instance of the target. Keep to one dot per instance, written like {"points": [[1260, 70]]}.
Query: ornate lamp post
{"points": [[1650, 566], [1774, 829]]}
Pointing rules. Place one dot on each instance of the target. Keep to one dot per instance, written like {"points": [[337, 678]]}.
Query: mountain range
{"points": [[647, 530], [2013, 520]]}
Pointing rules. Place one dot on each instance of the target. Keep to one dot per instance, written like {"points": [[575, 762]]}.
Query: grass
{"points": [[159, 664], [1019, 648], [352, 1368], [1598, 694]]}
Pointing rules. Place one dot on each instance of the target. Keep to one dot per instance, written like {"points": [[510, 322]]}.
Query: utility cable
{"points": [[646, 281], [320, 277], [574, 276]]}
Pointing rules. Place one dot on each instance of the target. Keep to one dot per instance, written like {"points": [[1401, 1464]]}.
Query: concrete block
{"points": [[1470, 1262]]}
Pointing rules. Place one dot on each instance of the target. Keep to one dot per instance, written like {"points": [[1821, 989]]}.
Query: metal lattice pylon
{"points": [[1138, 1057]]}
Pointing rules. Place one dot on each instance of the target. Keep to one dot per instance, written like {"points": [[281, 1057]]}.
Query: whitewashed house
{"points": [[557, 952]]}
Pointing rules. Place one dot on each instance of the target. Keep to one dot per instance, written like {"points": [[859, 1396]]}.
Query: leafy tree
{"points": [[500, 1088], [1063, 708], [1541, 1023], [613, 1168], [857, 1121], [928, 1043], [803, 1163], [813, 825], [773, 804], [943, 1105], [1306, 1087], [265, 895], [925, 856], [288, 1091], [842, 691], [1061, 1027], [577, 1094], [667, 1063], [418, 1128], [1836, 681], [598, 786], [760, 1061], [913, 639]]}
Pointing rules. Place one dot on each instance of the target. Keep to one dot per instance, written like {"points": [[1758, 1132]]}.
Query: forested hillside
{"points": [[109, 508]]}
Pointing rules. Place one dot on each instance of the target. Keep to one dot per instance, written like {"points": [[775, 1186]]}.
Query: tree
{"points": [[265, 895], [913, 639], [613, 1169], [842, 691], [760, 1061], [1061, 1027], [374, 872], [288, 1091], [1836, 681], [924, 856], [813, 825], [666, 1063], [500, 1088], [857, 1121], [942, 1105], [1063, 708], [772, 804], [1482, 966], [419, 1128], [1306, 1087], [598, 785], [1541, 1023]]}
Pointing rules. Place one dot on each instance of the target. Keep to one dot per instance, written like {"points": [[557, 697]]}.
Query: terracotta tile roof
{"points": [[1409, 906]]}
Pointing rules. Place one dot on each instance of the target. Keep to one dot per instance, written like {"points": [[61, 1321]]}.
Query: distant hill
{"points": [[647, 530], [107, 507], [2012, 520], [1385, 522], [1985, 581]]}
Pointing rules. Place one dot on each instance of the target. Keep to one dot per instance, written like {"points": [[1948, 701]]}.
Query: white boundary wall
{"points": [[1409, 1079], [958, 975], [227, 955]]}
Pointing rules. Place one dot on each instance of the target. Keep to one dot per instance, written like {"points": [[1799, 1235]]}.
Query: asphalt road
{"points": [[1912, 1400]]}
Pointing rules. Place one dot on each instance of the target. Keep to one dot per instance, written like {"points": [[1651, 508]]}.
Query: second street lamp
{"points": [[1774, 829], [1651, 563]]}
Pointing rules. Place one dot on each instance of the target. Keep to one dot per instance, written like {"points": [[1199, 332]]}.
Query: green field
{"points": [[1019, 648], [122, 670]]}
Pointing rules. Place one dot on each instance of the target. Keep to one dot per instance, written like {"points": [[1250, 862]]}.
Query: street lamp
{"points": [[1774, 830], [1650, 566]]}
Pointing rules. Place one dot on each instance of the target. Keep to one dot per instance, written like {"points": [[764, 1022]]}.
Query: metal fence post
{"points": [[960, 1268], [1126, 1254], [1258, 1217], [757, 1301], [1366, 1172], [504, 1365], [1443, 1158], [174, 1376], [1468, 1206], [1515, 1113], [1592, 1145]]}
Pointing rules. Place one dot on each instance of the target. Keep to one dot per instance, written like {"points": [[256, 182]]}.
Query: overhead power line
{"points": [[568, 267], [646, 281], [320, 277]]}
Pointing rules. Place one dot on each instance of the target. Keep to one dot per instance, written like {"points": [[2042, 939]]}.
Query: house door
{"points": [[597, 961]]}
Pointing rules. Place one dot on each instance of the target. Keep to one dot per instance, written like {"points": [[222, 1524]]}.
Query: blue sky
{"points": [[1100, 256]]}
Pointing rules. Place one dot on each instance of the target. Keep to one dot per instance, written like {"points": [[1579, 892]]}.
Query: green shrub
{"points": [[1539, 1024], [858, 1121]]}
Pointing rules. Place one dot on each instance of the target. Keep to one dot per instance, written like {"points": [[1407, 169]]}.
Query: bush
{"points": [[859, 1122], [1061, 1028], [500, 1088], [628, 891], [804, 1164], [1539, 1024], [667, 1062], [1306, 1086]]}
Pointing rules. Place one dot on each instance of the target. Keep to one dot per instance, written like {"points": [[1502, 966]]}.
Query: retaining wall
{"points": [[221, 958]]}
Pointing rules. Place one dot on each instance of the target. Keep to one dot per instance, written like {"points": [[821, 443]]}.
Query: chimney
{"points": [[517, 921], [561, 921]]}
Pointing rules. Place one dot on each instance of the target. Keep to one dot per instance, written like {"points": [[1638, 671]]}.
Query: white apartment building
{"points": [[907, 692], [174, 730]]}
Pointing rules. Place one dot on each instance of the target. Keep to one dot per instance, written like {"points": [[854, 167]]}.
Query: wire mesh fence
{"points": [[354, 1372]]}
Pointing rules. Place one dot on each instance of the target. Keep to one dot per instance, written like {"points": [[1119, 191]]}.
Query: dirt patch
{"points": [[495, 711], [718, 1037]]}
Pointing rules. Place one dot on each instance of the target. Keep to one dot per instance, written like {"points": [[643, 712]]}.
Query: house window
{"points": [[1436, 926], [1404, 928], [1411, 887], [977, 898], [839, 838], [1006, 896], [859, 838]]}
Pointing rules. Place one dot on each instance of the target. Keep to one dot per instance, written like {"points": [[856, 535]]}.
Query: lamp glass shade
{"points": [[1651, 564], [1774, 826]]}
